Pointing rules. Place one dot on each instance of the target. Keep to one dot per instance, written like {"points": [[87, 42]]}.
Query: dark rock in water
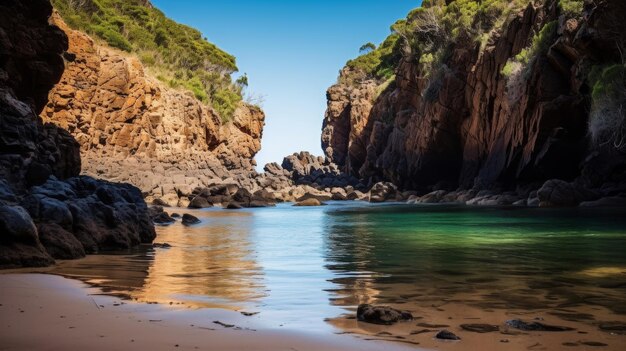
{"points": [[162, 245], [199, 202], [159, 216], [309, 202], [190, 220], [447, 335], [535, 326], [613, 327], [560, 193], [480, 328], [233, 206], [383, 191], [175, 215], [59, 242], [610, 201], [381, 314], [570, 344]]}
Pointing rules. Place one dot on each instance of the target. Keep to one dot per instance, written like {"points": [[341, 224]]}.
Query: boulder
{"points": [[60, 243], [199, 202], [381, 314], [189, 219], [556, 192], [383, 191], [446, 335]]}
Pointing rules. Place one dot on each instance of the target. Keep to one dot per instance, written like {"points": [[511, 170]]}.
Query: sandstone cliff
{"points": [[471, 125], [133, 128], [46, 210]]}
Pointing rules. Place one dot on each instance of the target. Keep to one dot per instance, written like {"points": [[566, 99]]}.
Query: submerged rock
{"points": [[309, 202], [535, 326], [480, 328], [189, 219], [381, 314]]}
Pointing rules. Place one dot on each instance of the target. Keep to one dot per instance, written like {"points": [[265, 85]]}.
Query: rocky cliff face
{"points": [[477, 128], [132, 128], [46, 210]]}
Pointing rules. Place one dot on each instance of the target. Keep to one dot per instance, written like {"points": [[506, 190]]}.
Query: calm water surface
{"points": [[299, 266]]}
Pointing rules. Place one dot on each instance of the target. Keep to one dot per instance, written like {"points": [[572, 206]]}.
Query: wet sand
{"points": [[48, 312], [430, 318]]}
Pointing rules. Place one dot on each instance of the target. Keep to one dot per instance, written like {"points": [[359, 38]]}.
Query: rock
{"points": [[189, 219], [163, 219], [60, 243], [233, 206], [472, 126], [560, 193], [16, 225], [136, 129], [535, 326], [161, 245], [432, 198], [480, 328], [199, 202], [309, 202], [40, 162], [446, 335], [381, 314], [382, 191], [610, 201]]}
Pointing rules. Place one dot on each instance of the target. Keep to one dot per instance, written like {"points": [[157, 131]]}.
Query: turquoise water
{"points": [[298, 266]]}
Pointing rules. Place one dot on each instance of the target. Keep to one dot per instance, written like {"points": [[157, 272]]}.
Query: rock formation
{"points": [[46, 209], [132, 128], [472, 127]]}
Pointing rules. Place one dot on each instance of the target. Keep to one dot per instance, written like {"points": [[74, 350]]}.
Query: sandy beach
{"points": [[48, 312]]}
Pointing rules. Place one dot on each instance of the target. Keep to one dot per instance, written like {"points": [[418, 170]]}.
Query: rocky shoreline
{"points": [[302, 176], [47, 210]]}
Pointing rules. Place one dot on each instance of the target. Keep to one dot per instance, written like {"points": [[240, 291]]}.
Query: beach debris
{"points": [[225, 325], [189, 219], [422, 331], [381, 314], [535, 326], [613, 327], [447, 335], [248, 314], [480, 327]]}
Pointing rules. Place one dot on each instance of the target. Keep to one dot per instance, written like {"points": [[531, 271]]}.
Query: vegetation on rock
{"points": [[177, 54]]}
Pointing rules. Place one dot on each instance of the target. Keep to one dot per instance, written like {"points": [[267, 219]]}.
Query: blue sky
{"points": [[292, 52]]}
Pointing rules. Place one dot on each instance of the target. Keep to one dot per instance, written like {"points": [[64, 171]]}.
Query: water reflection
{"points": [[300, 266], [209, 265], [487, 258]]}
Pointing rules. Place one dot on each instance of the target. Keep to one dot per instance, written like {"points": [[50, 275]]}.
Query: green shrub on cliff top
{"points": [[176, 53], [427, 32], [571, 8]]}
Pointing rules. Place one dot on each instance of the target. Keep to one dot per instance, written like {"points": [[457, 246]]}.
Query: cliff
{"points": [[133, 128], [504, 105], [46, 210]]}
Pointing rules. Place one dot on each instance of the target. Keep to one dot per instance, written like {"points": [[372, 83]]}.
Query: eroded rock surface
{"points": [[481, 129], [46, 210], [133, 128]]}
